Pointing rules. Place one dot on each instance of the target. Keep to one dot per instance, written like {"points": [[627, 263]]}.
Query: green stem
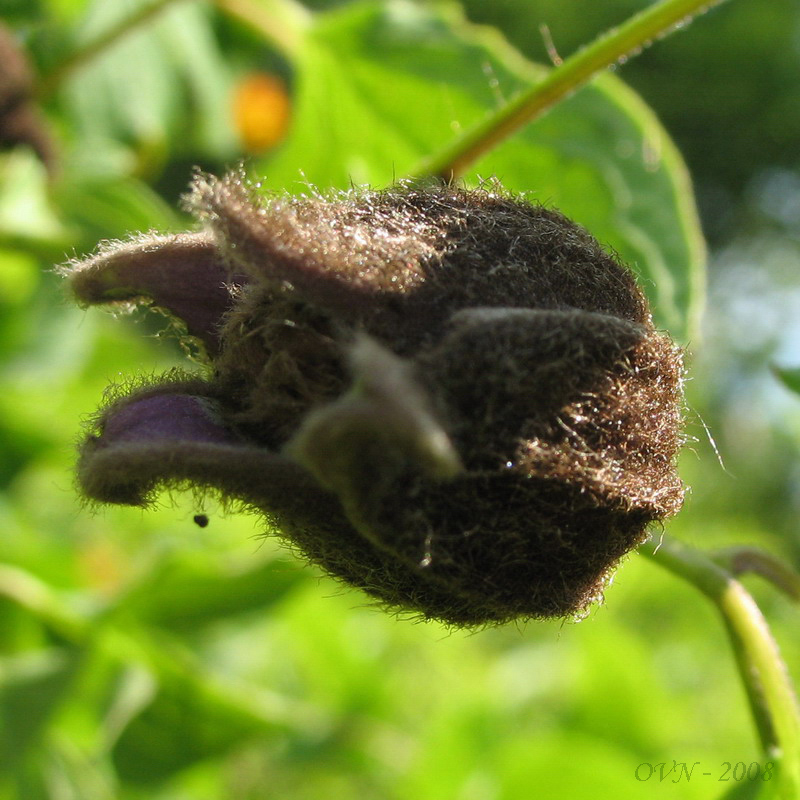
{"points": [[740, 560], [27, 591], [764, 675], [95, 47], [610, 48]]}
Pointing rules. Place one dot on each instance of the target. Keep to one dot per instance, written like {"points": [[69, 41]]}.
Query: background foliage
{"points": [[143, 656]]}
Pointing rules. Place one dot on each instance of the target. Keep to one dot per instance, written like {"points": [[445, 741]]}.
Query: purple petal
{"points": [[165, 417], [165, 437], [183, 274]]}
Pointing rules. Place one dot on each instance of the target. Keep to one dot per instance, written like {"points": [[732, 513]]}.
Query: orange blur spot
{"points": [[261, 111], [101, 567]]}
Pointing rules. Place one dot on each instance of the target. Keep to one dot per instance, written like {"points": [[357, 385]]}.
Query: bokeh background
{"points": [[142, 656]]}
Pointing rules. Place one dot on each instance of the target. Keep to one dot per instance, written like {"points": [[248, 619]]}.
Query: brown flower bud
{"points": [[453, 400]]}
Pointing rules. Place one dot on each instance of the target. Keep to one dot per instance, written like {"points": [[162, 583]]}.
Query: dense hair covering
{"points": [[452, 399]]}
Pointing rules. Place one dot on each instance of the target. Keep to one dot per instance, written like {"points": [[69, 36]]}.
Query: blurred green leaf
{"points": [[188, 720], [19, 275], [601, 769], [382, 85], [109, 99], [67, 772], [208, 125], [28, 217], [113, 207], [175, 97], [19, 630], [759, 789], [790, 378], [32, 686], [326, 630], [18, 11], [189, 591]]}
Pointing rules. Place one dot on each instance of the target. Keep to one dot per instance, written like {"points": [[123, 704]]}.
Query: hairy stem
{"points": [[610, 48], [51, 82], [763, 673]]}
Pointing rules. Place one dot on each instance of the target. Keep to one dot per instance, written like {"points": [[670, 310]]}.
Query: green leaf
{"points": [[28, 219], [32, 686], [206, 75], [112, 207], [188, 720], [789, 377], [175, 97], [381, 85], [108, 99], [185, 593]]}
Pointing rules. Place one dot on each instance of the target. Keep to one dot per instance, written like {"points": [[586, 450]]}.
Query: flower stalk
{"points": [[766, 680], [740, 560], [610, 48]]}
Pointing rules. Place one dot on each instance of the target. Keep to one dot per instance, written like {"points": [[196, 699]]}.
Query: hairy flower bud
{"points": [[451, 399]]}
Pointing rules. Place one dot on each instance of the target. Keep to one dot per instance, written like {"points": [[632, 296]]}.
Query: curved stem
{"points": [[764, 675], [610, 48], [50, 83], [744, 559]]}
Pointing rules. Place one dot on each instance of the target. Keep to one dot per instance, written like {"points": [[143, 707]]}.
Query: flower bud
{"points": [[451, 399]]}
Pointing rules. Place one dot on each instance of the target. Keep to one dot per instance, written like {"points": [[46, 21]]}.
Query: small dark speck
{"points": [[201, 520]]}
